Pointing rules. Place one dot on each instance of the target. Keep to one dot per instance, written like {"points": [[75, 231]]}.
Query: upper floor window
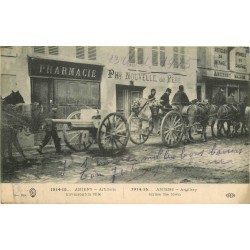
{"points": [[51, 50], [158, 56], [136, 55], [83, 52], [80, 52], [6, 47], [39, 49], [179, 57], [92, 53]]}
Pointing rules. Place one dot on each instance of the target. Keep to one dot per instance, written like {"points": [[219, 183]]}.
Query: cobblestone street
{"points": [[223, 160]]}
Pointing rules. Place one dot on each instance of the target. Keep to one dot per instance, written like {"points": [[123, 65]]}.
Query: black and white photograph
{"points": [[125, 114]]}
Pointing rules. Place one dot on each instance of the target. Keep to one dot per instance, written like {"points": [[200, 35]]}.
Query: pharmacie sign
{"points": [[143, 76], [61, 69]]}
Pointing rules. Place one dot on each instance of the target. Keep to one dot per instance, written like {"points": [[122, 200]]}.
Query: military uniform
{"points": [[50, 132]]}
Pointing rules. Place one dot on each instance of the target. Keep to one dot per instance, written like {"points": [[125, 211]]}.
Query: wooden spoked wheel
{"points": [[172, 129], [77, 140], [139, 129], [113, 133]]}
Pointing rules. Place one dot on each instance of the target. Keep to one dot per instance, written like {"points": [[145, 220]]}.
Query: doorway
{"points": [[125, 96]]}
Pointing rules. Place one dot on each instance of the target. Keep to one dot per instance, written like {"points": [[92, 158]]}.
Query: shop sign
{"points": [[240, 59], [61, 69], [143, 77], [221, 57], [227, 75]]}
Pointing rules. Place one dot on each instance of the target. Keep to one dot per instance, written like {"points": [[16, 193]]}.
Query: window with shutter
{"points": [[176, 61], [162, 56], [53, 50], [179, 57], [155, 56], [80, 52], [140, 55], [39, 49], [92, 53], [132, 54]]}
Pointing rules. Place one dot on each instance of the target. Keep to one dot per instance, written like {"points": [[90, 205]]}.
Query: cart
{"points": [[83, 128], [172, 125]]}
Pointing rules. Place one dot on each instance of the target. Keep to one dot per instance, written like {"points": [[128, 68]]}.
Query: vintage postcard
{"points": [[131, 124]]}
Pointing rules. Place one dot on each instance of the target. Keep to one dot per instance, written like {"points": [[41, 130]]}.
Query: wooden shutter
{"points": [[140, 55], [39, 49], [132, 54], [162, 56], [155, 56], [80, 52], [53, 50], [92, 53]]}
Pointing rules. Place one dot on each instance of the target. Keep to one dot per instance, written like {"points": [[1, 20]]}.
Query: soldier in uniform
{"points": [[51, 131], [180, 99], [219, 98], [151, 97], [165, 98], [232, 102]]}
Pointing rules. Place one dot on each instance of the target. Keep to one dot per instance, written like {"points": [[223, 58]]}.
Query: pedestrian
{"points": [[51, 131], [180, 98], [165, 98]]}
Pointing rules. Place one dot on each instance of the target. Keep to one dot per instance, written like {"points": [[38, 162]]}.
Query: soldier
{"points": [[180, 99], [232, 102], [219, 98], [231, 99], [151, 97], [165, 98], [51, 131]]}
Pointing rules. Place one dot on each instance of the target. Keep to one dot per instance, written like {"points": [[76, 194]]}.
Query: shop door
{"points": [[42, 91], [125, 98]]}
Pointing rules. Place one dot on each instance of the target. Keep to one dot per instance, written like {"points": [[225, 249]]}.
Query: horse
{"points": [[14, 120], [231, 114], [196, 113]]}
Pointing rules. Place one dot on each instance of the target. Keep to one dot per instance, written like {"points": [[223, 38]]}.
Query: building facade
{"points": [[223, 67], [109, 78]]}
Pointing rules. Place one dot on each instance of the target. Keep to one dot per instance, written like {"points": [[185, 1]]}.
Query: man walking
{"points": [[51, 131]]}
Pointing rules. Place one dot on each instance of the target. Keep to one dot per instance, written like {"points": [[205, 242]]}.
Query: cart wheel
{"points": [[139, 129], [172, 129], [113, 133], [77, 140]]}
